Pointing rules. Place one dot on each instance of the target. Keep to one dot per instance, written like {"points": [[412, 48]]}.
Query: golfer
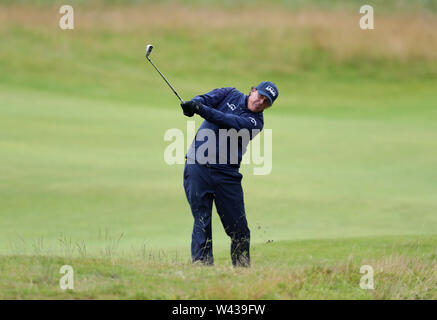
{"points": [[212, 174]]}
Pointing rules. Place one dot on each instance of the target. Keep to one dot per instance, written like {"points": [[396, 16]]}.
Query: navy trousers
{"points": [[204, 185]]}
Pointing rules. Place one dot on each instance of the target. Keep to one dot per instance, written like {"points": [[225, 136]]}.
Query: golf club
{"points": [[148, 51]]}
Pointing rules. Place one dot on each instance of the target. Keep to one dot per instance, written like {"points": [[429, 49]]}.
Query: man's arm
{"points": [[228, 120], [213, 98]]}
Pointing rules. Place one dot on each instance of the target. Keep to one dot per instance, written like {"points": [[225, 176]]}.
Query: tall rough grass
{"points": [[404, 268], [37, 277]]}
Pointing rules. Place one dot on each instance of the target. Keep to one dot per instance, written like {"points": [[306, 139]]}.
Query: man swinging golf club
{"points": [[218, 179]]}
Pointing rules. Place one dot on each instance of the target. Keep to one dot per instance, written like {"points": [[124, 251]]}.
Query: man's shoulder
{"points": [[228, 90], [232, 93]]}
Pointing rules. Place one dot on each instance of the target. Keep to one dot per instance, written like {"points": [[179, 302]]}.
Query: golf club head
{"points": [[148, 50]]}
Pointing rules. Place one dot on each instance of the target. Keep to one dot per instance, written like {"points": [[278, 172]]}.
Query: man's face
{"points": [[257, 102]]}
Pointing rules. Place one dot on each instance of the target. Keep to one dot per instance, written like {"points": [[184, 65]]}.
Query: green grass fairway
{"points": [[83, 181], [90, 169]]}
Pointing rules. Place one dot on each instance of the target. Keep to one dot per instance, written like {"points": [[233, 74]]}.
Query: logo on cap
{"points": [[271, 90]]}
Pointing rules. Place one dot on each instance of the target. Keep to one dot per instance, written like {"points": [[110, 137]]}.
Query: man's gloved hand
{"points": [[191, 107]]}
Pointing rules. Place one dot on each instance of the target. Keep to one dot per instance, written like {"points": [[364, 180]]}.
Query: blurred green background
{"points": [[83, 116]]}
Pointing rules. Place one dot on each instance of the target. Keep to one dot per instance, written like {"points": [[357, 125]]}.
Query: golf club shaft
{"points": [[182, 101]]}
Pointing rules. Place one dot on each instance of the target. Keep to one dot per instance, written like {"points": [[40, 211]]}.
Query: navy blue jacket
{"points": [[226, 108]]}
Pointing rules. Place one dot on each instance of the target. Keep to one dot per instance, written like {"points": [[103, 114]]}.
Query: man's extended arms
{"points": [[224, 120]]}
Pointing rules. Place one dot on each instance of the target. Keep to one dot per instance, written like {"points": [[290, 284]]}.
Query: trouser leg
{"points": [[200, 198], [230, 207]]}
